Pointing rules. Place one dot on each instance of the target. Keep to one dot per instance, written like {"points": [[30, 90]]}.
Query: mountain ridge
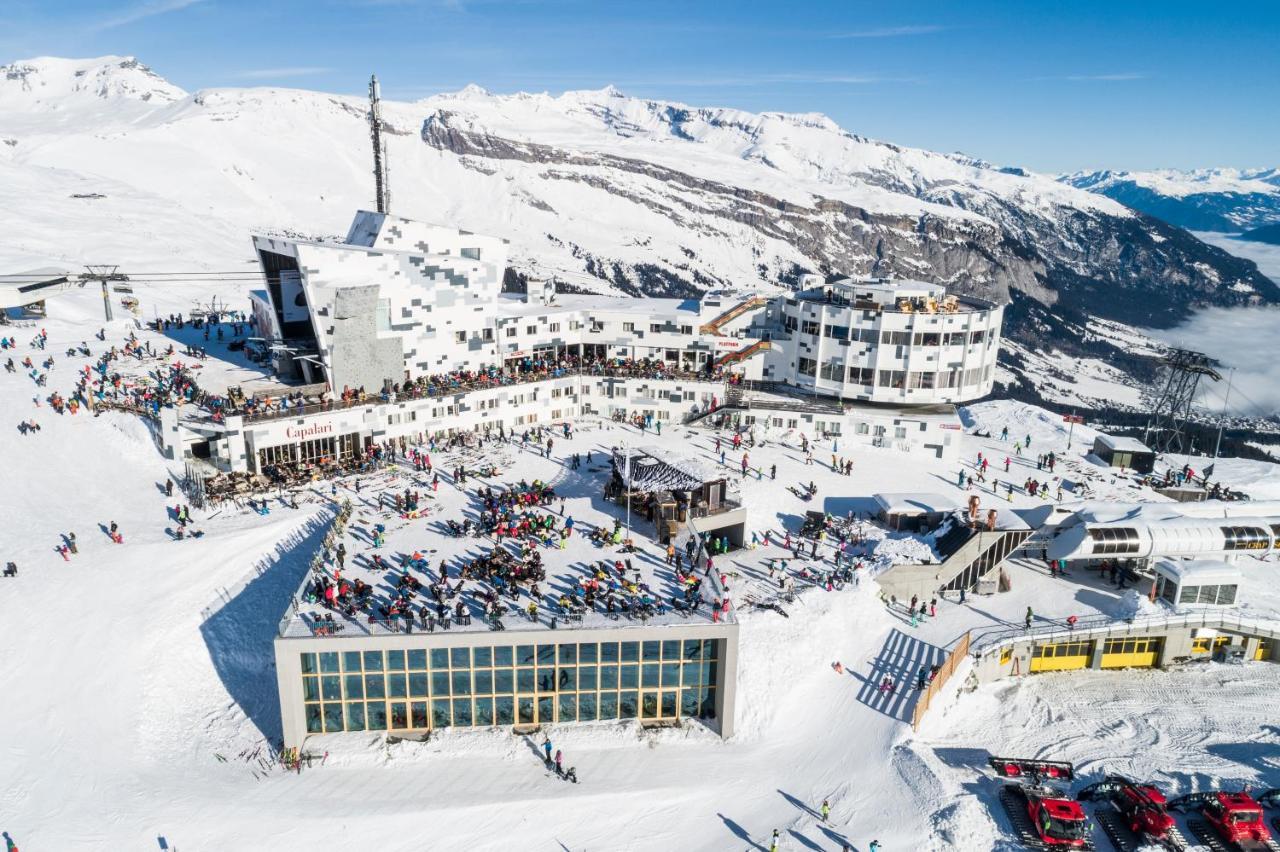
{"points": [[607, 193]]}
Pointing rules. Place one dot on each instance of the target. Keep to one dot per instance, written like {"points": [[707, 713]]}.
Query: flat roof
{"points": [[1196, 571], [915, 503], [1123, 444], [427, 535]]}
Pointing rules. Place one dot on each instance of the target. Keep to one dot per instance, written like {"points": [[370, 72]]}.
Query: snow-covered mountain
{"points": [[1200, 200], [104, 161]]}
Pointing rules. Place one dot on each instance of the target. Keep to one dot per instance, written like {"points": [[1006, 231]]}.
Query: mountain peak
{"points": [[54, 83]]}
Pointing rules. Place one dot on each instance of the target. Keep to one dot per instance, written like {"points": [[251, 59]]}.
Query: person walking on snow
{"points": [[826, 810], [773, 843], [875, 846], [559, 762], [1030, 615], [546, 747]]}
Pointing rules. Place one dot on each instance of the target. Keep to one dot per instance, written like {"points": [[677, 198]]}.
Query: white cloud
{"points": [[891, 32], [289, 71], [1097, 78], [132, 14], [1243, 338]]}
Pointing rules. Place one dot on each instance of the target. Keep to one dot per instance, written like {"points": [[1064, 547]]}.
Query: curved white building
{"points": [[877, 340]]}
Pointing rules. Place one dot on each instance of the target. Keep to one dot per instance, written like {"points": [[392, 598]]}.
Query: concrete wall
{"points": [[1014, 657]]}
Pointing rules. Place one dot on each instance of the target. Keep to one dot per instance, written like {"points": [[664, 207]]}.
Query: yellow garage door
{"points": [[1131, 653], [1061, 656]]}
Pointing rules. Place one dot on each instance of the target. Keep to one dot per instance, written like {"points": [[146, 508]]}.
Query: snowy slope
{"points": [[1220, 199]]}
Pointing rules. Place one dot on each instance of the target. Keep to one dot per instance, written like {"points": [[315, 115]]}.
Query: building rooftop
{"points": [[1123, 444], [428, 536], [915, 503], [1199, 570]]}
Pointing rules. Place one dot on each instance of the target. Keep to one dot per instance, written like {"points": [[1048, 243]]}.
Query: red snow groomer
{"points": [[1230, 822], [1044, 816], [1139, 814]]}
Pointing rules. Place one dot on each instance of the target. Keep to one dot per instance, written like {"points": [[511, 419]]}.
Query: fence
{"points": [[948, 668], [1263, 622]]}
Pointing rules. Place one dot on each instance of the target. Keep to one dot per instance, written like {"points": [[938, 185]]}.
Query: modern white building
{"points": [[1185, 530], [415, 317]]}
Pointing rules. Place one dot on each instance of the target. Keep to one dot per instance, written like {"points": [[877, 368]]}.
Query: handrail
{"points": [[438, 392], [1268, 622]]}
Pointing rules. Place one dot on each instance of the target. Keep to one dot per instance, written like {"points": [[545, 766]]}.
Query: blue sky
{"points": [[1053, 86]]}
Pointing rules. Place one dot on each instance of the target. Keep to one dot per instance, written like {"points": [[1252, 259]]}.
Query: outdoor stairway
{"points": [[713, 327], [977, 556], [744, 353]]}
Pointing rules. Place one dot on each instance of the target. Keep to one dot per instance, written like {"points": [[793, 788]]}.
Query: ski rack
{"points": [[1017, 769], [1192, 800]]}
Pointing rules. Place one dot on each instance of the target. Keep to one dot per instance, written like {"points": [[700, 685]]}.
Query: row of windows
{"points": [[338, 716], [506, 656], [1063, 649], [505, 681], [1131, 646], [834, 371], [1224, 595], [888, 338]]}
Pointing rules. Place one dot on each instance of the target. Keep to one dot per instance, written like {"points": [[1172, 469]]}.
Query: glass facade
{"points": [[423, 688]]}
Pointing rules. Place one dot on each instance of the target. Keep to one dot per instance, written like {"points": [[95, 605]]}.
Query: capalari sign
{"points": [[308, 431]]}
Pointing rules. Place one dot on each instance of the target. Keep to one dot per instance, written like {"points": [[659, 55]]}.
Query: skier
{"points": [[826, 810], [71, 543], [168, 488], [874, 847], [1030, 615], [559, 764], [773, 844], [773, 471]]}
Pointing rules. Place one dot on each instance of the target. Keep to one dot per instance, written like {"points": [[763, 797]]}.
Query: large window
{"points": [[1224, 595], [807, 366], [892, 379], [832, 371], [895, 338], [1112, 541], [1246, 538], [507, 685], [862, 376]]}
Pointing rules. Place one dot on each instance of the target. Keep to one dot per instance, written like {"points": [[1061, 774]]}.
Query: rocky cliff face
{"points": [[1130, 268]]}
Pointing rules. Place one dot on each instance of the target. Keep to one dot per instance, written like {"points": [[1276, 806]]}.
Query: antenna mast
{"points": [[382, 183]]}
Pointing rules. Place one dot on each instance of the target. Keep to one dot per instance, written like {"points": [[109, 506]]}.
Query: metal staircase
{"points": [[713, 327], [742, 354]]}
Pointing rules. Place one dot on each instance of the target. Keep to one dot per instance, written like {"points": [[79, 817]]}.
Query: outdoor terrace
{"points": [[429, 536]]}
